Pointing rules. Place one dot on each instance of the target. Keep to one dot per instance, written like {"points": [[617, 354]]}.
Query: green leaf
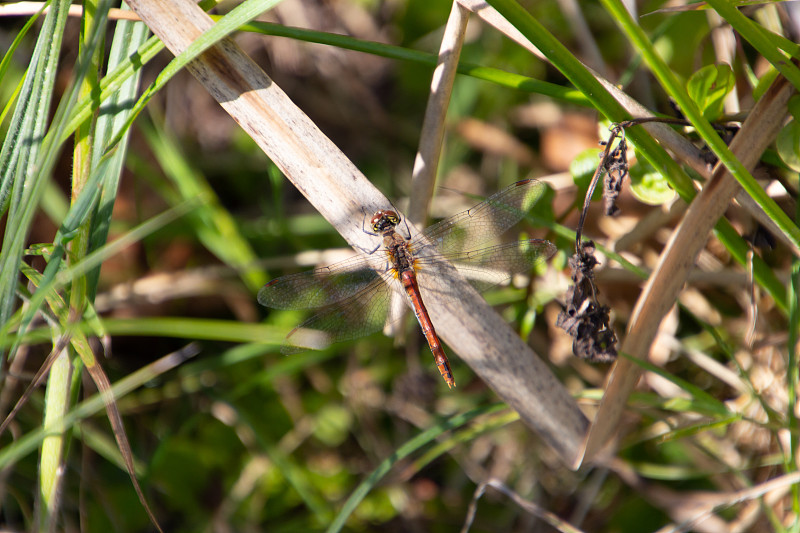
{"points": [[708, 88], [788, 141], [648, 185]]}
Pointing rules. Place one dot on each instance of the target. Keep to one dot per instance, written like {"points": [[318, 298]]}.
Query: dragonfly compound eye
{"points": [[375, 221], [383, 219]]}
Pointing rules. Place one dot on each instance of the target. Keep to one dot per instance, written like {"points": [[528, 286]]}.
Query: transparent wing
{"points": [[353, 298], [488, 267], [360, 315], [467, 230], [484, 222], [320, 287], [365, 312]]}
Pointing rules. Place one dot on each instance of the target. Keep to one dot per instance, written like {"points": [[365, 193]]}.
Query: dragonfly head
{"points": [[384, 219]]}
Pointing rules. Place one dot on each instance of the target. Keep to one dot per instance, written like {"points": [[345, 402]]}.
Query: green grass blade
{"points": [[214, 225], [194, 328], [702, 401], [59, 378], [421, 440], [494, 75], [20, 154], [8, 56], [766, 43], [128, 38], [114, 81], [52, 454], [793, 380], [172, 327]]}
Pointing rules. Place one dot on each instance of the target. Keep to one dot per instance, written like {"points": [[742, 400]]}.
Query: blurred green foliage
{"points": [[244, 438]]}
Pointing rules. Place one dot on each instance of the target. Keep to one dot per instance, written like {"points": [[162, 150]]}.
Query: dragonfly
{"points": [[353, 296]]}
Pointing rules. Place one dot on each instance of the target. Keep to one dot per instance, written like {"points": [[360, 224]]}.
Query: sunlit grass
{"points": [[146, 278]]}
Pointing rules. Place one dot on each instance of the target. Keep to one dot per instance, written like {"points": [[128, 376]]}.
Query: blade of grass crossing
{"points": [[113, 82]]}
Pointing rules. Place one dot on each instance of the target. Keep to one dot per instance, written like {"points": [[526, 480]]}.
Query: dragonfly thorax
{"points": [[383, 220]]}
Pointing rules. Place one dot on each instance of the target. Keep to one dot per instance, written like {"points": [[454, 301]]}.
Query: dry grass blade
{"points": [[37, 380], [29, 8], [423, 177], [493, 18], [677, 260], [527, 505], [341, 194], [583, 34], [112, 412], [426, 162], [698, 510]]}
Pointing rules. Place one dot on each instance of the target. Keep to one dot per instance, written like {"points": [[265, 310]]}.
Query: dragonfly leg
{"points": [[408, 230], [364, 226]]}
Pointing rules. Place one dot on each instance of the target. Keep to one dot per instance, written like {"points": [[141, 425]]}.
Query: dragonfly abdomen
{"points": [[409, 280]]}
